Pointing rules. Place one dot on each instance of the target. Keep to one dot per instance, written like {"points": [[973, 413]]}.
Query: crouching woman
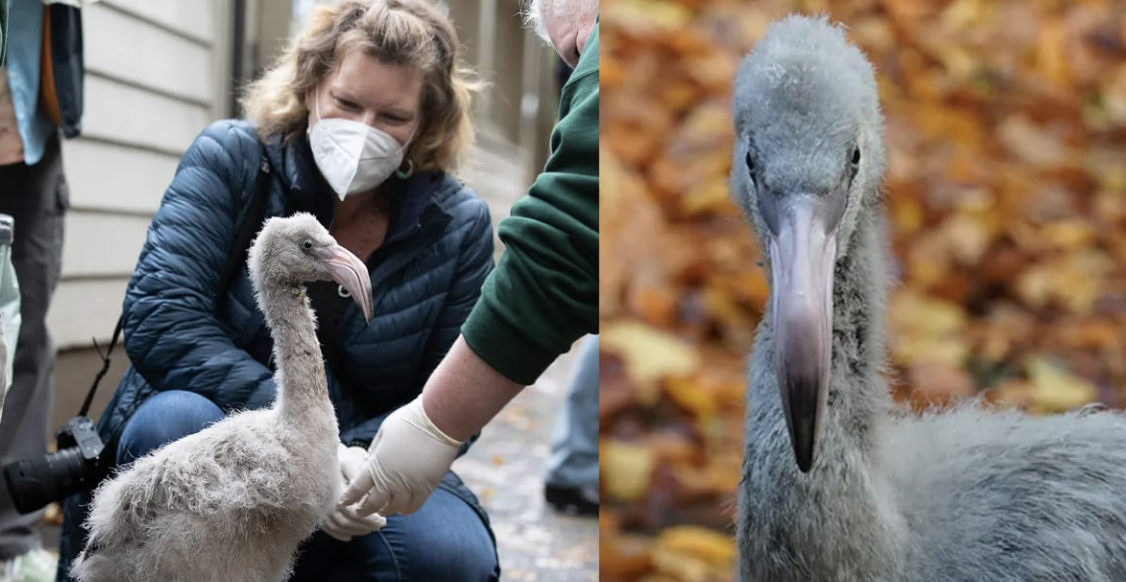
{"points": [[360, 122]]}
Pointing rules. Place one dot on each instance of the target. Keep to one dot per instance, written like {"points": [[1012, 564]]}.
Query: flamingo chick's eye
{"points": [[307, 245]]}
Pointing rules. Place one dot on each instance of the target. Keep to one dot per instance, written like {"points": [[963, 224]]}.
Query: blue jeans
{"points": [[574, 447], [447, 539]]}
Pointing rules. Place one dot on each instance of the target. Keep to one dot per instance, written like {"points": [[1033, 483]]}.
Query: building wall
{"points": [[152, 83]]}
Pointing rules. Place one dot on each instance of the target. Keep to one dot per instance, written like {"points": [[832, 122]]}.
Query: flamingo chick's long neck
{"points": [[302, 386]]}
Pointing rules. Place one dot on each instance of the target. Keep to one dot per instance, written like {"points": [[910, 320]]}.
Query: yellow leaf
{"points": [[963, 13], [649, 353], [911, 349], [685, 392], [626, 469], [1069, 234], [1052, 52], [693, 553], [1054, 389], [925, 315], [683, 569], [710, 196], [645, 17], [1075, 281], [711, 546], [926, 329]]}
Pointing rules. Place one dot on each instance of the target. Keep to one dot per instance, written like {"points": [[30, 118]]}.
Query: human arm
{"points": [[173, 336], [543, 296]]}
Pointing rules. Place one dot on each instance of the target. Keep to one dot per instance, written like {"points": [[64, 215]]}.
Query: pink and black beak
{"points": [[803, 252], [349, 272]]}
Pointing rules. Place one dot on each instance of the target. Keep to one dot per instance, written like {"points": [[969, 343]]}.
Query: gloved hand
{"points": [[346, 522], [406, 460]]}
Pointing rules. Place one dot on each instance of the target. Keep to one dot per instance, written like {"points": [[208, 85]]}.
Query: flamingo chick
{"points": [[234, 501]]}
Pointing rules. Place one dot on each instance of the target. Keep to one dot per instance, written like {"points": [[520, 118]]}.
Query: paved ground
{"points": [[505, 469]]}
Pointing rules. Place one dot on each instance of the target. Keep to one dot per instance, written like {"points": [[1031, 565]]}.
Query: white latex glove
{"points": [[346, 522], [406, 461]]}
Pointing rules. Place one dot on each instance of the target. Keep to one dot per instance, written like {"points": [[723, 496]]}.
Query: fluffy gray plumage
{"points": [[234, 501], [960, 495]]}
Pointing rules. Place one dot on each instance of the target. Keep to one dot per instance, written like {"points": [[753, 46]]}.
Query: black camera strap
{"points": [[255, 214], [105, 365]]}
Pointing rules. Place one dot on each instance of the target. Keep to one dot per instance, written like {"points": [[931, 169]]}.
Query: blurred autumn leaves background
{"points": [[1006, 183]]}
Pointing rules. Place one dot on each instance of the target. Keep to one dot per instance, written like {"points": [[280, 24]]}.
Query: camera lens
{"points": [[33, 483]]}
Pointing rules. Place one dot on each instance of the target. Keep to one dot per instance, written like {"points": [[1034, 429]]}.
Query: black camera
{"points": [[75, 466]]}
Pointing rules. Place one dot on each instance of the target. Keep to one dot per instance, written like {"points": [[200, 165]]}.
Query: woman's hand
{"points": [[346, 522], [407, 459]]}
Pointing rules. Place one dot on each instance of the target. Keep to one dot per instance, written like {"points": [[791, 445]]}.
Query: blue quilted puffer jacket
{"points": [[425, 278]]}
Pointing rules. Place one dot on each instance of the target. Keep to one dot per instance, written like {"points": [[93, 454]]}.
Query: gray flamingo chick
{"points": [[234, 501], [838, 485]]}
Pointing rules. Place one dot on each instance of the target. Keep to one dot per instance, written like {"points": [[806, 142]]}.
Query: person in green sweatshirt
{"points": [[541, 298]]}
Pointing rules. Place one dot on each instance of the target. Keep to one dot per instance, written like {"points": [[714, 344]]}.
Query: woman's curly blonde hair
{"points": [[411, 33]]}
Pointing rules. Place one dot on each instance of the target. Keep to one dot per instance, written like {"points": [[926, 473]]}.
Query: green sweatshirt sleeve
{"points": [[543, 295]]}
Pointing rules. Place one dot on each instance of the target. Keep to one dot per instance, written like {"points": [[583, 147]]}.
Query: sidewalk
{"points": [[505, 469]]}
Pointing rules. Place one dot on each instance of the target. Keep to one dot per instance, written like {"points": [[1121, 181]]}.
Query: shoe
{"points": [[38, 565], [572, 500]]}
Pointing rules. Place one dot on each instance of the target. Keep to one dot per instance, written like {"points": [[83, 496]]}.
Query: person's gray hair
{"points": [[532, 13]]}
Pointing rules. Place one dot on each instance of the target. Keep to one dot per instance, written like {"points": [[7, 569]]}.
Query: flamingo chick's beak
{"points": [[802, 257], [351, 273]]}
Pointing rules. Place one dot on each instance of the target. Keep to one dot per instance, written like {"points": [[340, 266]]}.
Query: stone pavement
{"points": [[505, 469]]}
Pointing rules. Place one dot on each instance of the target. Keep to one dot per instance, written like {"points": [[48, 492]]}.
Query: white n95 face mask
{"points": [[353, 156]]}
